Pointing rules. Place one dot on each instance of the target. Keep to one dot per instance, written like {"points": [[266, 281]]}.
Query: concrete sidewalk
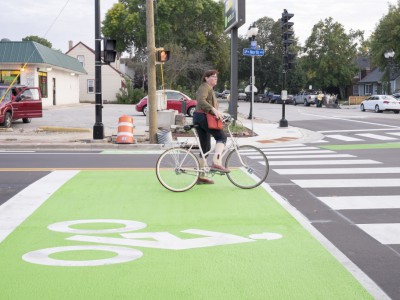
{"points": [[42, 134]]}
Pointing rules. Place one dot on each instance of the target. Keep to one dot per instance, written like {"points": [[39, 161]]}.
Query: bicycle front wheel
{"points": [[249, 167], [177, 169]]}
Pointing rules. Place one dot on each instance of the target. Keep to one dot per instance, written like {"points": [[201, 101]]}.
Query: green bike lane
{"points": [[121, 235]]}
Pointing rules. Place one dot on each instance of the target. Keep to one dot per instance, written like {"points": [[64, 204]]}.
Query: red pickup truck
{"points": [[19, 102]]}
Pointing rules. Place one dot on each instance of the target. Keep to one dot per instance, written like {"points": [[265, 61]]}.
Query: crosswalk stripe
{"points": [[362, 202], [324, 162], [271, 157], [376, 136], [363, 182], [323, 171], [385, 233], [343, 138], [290, 149], [394, 133], [300, 152]]}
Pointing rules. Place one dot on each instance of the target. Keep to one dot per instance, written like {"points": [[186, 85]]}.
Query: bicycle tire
{"points": [[253, 172], [177, 169]]}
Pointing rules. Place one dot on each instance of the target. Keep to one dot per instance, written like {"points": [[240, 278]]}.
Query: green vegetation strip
{"points": [[362, 146], [295, 266]]}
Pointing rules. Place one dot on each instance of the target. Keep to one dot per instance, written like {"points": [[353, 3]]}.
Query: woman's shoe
{"points": [[203, 180], [220, 168]]}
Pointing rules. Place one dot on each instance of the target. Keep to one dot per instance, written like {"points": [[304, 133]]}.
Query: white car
{"points": [[379, 103]]}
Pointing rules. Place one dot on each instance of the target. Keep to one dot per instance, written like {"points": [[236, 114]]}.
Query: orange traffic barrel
{"points": [[125, 130]]}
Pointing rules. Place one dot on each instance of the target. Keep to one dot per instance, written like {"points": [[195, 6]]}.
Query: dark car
{"points": [[175, 101], [19, 102], [289, 100]]}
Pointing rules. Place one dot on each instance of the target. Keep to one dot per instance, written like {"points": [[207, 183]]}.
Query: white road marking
{"points": [[343, 138], [338, 171], [271, 157], [377, 137], [388, 234], [23, 204], [362, 202], [324, 162], [394, 133], [363, 182]]}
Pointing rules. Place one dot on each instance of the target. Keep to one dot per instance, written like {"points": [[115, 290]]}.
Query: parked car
{"points": [[380, 103], [396, 95], [242, 96], [307, 98], [225, 94], [275, 98], [264, 98], [174, 101], [19, 102], [289, 100]]}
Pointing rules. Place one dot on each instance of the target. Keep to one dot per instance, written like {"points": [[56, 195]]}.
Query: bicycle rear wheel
{"points": [[177, 169], [249, 167]]}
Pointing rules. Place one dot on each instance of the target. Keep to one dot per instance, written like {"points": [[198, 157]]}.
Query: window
{"points": [[90, 86], [81, 59], [355, 90], [8, 76], [368, 89], [43, 84]]}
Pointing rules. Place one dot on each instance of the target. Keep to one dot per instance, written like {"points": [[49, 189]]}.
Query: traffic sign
{"points": [[253, 52]]}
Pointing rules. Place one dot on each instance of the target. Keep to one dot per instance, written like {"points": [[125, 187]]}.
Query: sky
{"points": [[60, 21]]}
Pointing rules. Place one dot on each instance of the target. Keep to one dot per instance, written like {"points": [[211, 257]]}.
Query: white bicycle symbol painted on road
{"points": [[155, 240]]}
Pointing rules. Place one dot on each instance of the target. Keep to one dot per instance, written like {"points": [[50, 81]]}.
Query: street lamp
{"points": [[251, 35], [389, 56]]}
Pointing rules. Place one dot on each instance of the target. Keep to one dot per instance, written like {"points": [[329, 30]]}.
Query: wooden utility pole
{"points": [[151, 72]]}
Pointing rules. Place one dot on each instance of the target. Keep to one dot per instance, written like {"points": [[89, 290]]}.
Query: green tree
{"points": [[37, 39], [330, 55], [192, 26], [386, 37]]}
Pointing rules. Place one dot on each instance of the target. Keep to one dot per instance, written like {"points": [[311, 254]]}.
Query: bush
{"points": [[130, 95]]}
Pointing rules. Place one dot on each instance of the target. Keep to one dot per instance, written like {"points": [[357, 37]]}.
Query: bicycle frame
{"points": [[232, 145]]}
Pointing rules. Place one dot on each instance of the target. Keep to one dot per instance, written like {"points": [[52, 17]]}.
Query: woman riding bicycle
{"points": [[208, 103]]}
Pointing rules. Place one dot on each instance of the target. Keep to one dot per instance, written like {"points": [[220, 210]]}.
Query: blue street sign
{"points": [[253, 52], [253, 45]]}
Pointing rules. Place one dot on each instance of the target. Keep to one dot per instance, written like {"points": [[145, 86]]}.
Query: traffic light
{"points": [[109, 50], [162, 55], [288, 60], [287, 28], [287, 39]]}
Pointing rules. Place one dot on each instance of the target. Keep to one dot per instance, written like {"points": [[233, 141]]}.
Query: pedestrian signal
{"points": [[162, 55]]}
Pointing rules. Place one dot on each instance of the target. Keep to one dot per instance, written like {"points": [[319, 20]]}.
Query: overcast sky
{"points": [[62, 20]]}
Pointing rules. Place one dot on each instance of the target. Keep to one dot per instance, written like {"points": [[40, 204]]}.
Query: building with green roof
{"points": [[32, 64]]}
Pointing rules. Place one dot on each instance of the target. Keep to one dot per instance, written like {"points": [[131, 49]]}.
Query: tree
{"points": [[37, 39], [330, 55], [193, 26], [386, 37]]}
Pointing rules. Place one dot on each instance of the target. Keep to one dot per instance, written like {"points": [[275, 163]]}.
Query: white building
{"points": [[112, 79], [32, 64]]}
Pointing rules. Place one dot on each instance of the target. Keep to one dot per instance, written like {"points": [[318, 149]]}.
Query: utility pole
{"points": [[151, 72]]}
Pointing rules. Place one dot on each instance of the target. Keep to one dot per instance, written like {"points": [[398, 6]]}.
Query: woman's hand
{"points": [[217, 114]]}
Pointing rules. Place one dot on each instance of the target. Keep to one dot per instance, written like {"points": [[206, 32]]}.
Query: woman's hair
{"points": [[208, 73]]}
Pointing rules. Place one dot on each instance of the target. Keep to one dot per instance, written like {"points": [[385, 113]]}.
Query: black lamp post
{"points": [[389, 56]]}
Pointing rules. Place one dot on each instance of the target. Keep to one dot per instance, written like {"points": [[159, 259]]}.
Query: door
{"points": [[27, 104], [54, 91]]}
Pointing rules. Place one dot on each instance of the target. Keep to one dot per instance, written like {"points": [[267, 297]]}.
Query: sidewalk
{"points": [[42, 134]]}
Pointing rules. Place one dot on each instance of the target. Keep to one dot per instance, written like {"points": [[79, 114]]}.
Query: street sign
{"points": [[253, 45], [253, 52]]}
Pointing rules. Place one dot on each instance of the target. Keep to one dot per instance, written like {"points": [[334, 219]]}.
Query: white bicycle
{"points": [[178, 168]]}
